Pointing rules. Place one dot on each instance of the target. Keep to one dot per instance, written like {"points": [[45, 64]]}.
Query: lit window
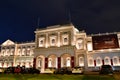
{"points": [[3, 53], [7, 53], [68, 62], [79, 44], [81, 61], [40, 62], [28, 52], [23, 52], [41, 42], [89, 46], [50, 62], [53, 40], [12, 52], [65, 39], [91, 62], [115, 61], [98, 61], [107, 61], [18, 52]]}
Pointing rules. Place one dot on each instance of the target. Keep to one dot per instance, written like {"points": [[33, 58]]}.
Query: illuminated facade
{"points": [[59, 46], [13, 54], [103, 49], [63, 46]]}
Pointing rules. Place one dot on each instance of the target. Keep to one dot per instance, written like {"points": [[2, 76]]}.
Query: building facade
{"points": [[13, 54], [63, 46]]}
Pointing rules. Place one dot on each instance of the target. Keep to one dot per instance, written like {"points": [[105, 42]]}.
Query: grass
{"points": [[54, 77]]}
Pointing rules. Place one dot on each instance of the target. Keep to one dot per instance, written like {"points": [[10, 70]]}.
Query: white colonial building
{"points": [[63, 46], [13, 54]]}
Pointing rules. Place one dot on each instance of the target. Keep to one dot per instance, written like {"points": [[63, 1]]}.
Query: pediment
{"points": [[8, 42]]}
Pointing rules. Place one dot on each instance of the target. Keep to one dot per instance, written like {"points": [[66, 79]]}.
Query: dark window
{"points": [[53, 41], [65, 39]]}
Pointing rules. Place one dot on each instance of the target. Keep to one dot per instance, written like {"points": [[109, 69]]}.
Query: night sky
{"points": [[19, 18]]}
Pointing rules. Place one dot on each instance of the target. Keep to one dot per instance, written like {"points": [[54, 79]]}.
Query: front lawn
{"points": [[54, 77]]}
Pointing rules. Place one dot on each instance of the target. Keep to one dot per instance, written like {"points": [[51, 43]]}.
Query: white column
{"points": [[58, 39], [46, 43]]}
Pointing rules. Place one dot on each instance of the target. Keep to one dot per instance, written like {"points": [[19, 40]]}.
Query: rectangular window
{"points": [[89, 46], [41, 42], [65, 39], [53, 40]]}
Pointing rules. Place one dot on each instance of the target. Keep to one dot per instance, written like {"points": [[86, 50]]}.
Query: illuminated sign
{"points": [[105, 42]]}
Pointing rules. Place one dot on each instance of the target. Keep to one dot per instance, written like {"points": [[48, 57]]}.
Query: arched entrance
{"points": [[40, 60], [81, 60], [66, 60], [52, 61]]}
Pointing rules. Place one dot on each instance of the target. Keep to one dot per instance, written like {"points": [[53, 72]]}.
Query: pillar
{"points": [[46, 63], [111, 62], [72, 61], [94, 62], [103, 62], [59, 62], [34, 63]]}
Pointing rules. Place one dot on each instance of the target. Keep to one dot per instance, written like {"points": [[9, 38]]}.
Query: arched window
{"points": [[27, 64], [12, 52], [81, 61], [7, 52], [115, 61], [18, 52], [90, 62], [107, 61], [98, 61], [39, 62], [28, 52], [79, 43], [5, 64], [9, 64], [41, 42], [52, 61], [49, 62], [53, 41], [23, 52], [3, 53], [68, 61], [65, 39]]}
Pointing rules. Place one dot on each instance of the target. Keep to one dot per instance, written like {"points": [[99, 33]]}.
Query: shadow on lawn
{"points": [[61, 77], [24, 76], [98, 77]]}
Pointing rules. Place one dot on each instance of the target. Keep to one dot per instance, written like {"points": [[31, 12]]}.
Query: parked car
{"points": [[33, 71], [1, 70], [50, 70], [17, 69], [64, 70], [106, 69], [9, 70], [78, 70], [24, 70]]}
